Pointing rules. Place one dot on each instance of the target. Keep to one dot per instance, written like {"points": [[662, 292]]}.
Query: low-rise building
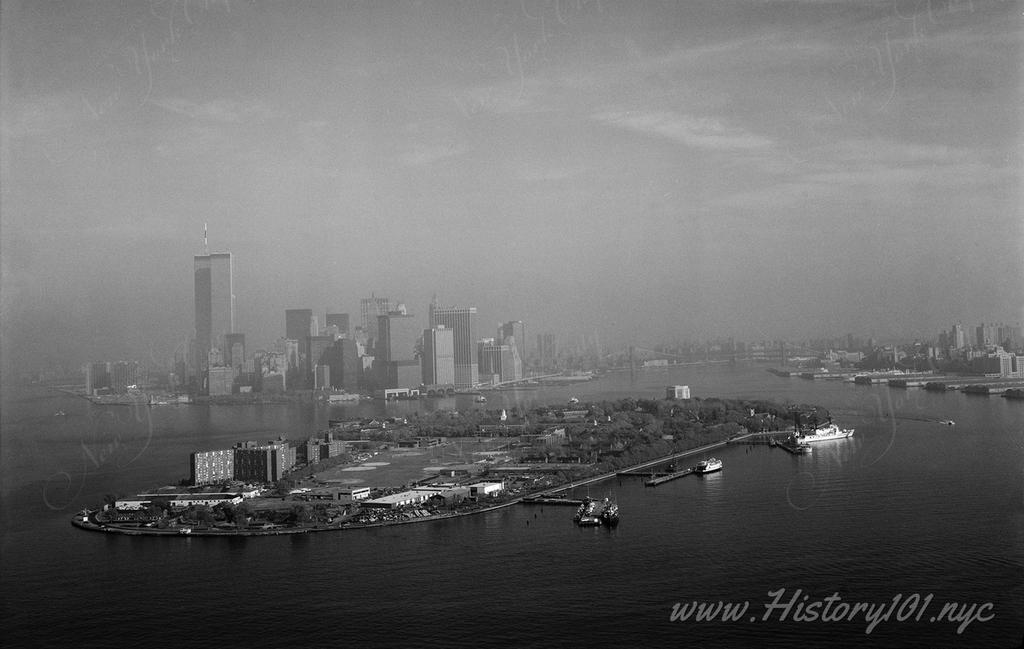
{"points": [[178, 500], [486, 489], [400, 499]]}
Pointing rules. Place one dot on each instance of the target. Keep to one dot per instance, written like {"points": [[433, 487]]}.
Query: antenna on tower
{"points": [[206, 244]]}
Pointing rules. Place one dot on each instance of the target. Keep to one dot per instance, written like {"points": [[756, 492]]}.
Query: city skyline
{"points": [[779, 170]]}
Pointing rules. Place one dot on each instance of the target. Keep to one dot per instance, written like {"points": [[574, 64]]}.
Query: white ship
{"points": [[708, 465], [823, 433]]}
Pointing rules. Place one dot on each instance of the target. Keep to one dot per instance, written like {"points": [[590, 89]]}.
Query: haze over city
{"points": [[649, 172]]}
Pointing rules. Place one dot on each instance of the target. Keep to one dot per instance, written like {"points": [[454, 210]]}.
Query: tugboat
{"points": [[707, 466]]}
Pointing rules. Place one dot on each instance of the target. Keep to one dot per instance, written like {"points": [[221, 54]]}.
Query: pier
{"points": [[550, 500], [654, 482], [795, 449]]}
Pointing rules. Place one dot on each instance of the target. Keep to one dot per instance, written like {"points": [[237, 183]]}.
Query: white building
{"points": [[486, 489], [677, 392], [400, 499]]}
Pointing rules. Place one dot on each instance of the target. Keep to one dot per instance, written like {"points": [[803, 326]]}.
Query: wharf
{"points": [[654, 482], [795, 449], [550, 500], [887, 378]]}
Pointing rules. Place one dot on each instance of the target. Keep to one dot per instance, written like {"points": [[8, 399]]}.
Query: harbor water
{"points": [[910, 513]]}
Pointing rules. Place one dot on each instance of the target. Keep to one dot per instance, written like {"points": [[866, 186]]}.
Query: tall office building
{"points": [[462, 322], [97, 377], [515, 329], [370, 308], [958, 337], [234, 352], [346, 367], [513, 334], [547, 350], [339, 320], [499, 363], [438, 362], [316, 355], [397, 351], [299, 323], [215, 304]]}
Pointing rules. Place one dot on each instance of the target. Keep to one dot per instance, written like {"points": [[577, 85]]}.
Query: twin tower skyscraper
{"points": [[214, 303]]}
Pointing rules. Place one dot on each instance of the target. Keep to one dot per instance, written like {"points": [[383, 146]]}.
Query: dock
{"points": [[795, 449], [550, 500], [654, 482]]}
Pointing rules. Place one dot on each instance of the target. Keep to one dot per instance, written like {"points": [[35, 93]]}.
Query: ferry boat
{"points": [[707, 466], [824, 433]]}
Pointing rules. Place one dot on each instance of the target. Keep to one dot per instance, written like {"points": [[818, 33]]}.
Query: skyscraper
{"points": [[398, 365], [339, 320], [438, 361], [513, 334], [517, 330], [462, 322], [215, 304], [371, 307], [298, 324]]}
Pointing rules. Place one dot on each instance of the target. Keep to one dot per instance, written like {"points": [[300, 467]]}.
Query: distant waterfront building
{"points": [[316, 354], [209, 467], [547, 350], [462, 322], [214, 304], [958, 336], [97, 377], [517, 330], [299, 324], [234, 349], [220, 380], [124, 375], [438, 362], [399, 366], [370, 308], [271, 370], [499, 363], [986, 335], [346, 368]]}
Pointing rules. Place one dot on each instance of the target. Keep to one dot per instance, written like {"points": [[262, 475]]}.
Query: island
{"points": [[442, 464]]}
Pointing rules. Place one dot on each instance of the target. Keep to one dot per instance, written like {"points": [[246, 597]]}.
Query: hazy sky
{"points": [[650, 171]]}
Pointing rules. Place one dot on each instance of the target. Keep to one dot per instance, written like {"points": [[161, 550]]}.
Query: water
{"points": [[905, 507]]}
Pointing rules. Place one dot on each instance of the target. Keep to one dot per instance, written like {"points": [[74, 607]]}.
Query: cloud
{"points": [[424, 154], [697, 132], [869, 166], [218, 110]]}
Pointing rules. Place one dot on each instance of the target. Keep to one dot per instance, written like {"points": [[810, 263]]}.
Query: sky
{"points": [[651, 172]]}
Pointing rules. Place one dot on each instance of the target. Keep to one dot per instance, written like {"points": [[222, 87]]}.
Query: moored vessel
{"points": [[823, 433], [609, 513], [708, 466]]}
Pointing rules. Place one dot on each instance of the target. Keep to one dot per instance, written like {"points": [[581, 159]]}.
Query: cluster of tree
{"points": [[617, 434]]}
